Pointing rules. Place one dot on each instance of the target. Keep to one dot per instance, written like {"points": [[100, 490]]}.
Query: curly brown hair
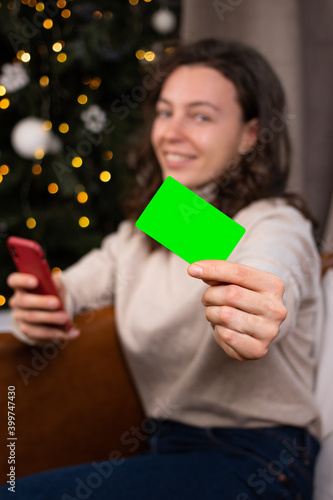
{"points": [[260, 173]]}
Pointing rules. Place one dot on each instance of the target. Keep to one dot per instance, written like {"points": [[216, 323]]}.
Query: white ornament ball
{"points": [[28, 136], [164, 21]]}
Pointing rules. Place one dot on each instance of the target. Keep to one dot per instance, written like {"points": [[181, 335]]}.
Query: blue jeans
{"points": [[190, 463]]}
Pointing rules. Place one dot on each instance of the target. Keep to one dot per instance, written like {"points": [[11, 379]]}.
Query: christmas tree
{"points": [[70, 94]]}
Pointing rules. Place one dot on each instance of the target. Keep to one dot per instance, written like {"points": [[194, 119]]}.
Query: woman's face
{"points": [[199, 130]]}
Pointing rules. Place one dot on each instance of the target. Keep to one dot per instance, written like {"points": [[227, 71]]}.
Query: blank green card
{"points": [[188, 225]]}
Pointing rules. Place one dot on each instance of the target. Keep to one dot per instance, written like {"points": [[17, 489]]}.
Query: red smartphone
{"points": [[28, 257]]}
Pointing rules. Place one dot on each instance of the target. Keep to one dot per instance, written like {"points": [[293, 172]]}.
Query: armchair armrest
{"points": [[326, 262], [74, 402]]}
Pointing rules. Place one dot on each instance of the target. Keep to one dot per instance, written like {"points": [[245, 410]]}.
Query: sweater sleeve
{"points": [[279, 240], [92, 281]]}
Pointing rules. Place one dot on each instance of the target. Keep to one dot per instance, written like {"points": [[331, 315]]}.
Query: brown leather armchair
{"points": [[74, 403]]}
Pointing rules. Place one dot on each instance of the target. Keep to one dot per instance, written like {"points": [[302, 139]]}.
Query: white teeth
{"points": [[175, 157]]}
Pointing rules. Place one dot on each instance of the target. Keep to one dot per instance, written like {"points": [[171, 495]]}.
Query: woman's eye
{"points": [[202, 118], [162, 113]]}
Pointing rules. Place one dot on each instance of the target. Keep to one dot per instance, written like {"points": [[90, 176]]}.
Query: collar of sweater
{"points": [[207, 191]]}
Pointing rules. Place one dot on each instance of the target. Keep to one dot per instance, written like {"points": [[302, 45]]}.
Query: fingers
{"points": [[238, 346], [245, 305], [59, 284], [244, 299], [232, 295], [217, 271], [262, 328], [22, 281], [45, 333], [57, 318], [25, 300], [39, 316], [44, 324]]}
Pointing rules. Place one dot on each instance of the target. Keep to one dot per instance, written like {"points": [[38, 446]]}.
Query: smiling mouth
{"points": [[173, 157]]}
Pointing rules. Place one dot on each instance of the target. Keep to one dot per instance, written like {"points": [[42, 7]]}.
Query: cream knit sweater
{"points": [[180, 371]]}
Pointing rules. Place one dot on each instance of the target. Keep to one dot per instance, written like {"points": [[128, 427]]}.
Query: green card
{"points": [[188, 225]]}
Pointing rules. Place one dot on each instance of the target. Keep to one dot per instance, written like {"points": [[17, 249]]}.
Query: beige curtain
{"points": [[296, 36]]}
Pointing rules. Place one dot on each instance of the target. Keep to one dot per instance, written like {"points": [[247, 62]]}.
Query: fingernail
{"points": [[73, 334], [53, 303], [63, 317], [195, 271]]}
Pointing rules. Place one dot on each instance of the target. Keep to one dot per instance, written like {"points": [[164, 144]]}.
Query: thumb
{"points": [[59, 284]]}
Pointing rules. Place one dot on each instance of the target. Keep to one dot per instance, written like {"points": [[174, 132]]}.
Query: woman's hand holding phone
{"points": [[38, 296], [40, 317]]}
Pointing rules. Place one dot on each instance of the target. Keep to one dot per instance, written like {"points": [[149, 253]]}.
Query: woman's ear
{"points": [[250, 136]]}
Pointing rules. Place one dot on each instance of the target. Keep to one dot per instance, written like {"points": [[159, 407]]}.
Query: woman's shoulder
{"points": [[271, 210]]}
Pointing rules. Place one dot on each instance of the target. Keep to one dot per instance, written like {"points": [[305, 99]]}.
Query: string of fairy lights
{"points": [[23, 57], [93, 83]]}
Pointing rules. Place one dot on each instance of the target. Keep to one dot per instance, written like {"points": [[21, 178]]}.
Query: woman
{"points": [[216, 122]]}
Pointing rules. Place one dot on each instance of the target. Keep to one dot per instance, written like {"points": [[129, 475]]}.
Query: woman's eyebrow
{"points": [[204, 103], [192, 104], [161, 99]]}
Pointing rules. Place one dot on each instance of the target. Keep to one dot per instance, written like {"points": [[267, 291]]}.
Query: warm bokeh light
{"points": [[84, 221], [107, 155], [4, 103], [36, 169], [61, 57], [1, 178], [40, 7], [133, 2], [44, 81], [63, 128], [4, 169], [57, 47], [149, 56], [53, 188], [39, 153], [2, 90], [82, 197], [105, 176], [31, 223], [95, 83], [169, 50], [82, 99], [77, 162], [48, 24], [140, 54], [66, 13], [56, 271], [47, 125], [97, 15], [25, 57], [2, 300], [61, 4]]}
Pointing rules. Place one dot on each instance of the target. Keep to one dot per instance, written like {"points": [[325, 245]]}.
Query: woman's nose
{"points": [[175, 130]]}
